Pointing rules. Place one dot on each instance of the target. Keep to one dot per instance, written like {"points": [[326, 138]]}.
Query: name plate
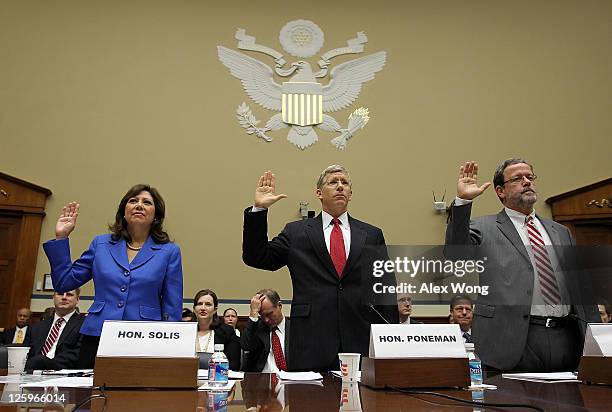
{"points": [[416, 341], [598, 340], [148, 339]]}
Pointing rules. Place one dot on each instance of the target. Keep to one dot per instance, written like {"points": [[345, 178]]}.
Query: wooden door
{"points": [[593, 233], [10, 232]]}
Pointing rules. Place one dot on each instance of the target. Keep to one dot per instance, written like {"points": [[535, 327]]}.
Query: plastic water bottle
{"points": [[218, 367], [475, 365], [217, 401], [478, 397]]}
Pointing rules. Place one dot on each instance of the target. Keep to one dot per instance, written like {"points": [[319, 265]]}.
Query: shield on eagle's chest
{"points": [[302, 103]]}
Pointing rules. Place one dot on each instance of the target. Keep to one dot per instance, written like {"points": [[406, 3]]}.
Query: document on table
{"points": [[23, 378], [554, 377], [203, 374], [67, 382], [299, 376], [73, 372]]}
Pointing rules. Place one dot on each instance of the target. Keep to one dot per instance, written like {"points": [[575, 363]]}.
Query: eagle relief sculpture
{"points": [[303, 102]]}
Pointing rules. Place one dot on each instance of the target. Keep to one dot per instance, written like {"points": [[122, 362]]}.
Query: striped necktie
{"points": [[546, 274], [53, 335]]}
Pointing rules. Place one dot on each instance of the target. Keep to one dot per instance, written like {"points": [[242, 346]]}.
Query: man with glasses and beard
{"points": [[527, 321]]}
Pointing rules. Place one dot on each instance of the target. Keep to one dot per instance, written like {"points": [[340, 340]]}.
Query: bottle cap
{"points": [[219, 347]]}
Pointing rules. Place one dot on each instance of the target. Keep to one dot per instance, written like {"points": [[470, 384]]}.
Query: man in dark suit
{"points": [[267, 329], [18, 334], [527, 321], [55, 342], [461, 313], [330, 261], [404, 310]]}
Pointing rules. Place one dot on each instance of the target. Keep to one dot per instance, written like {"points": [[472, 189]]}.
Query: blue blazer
{"points": [[148, 288]]}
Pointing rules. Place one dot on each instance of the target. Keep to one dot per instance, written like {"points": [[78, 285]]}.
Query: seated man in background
{"points": [[55, 342], [605, 311], [461, 314], [48, 313], [17, 335], [266, 336], [404, 309]]}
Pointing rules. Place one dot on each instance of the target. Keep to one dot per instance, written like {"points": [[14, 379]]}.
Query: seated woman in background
{"points": [[230, 317], [211, 330]]}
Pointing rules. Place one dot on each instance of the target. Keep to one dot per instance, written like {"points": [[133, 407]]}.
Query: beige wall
{"points": [[96, 96]]}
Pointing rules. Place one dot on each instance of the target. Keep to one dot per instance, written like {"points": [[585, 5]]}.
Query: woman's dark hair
{"points": [[188, 313], [119, 228], [216, 321], [228, 309]]}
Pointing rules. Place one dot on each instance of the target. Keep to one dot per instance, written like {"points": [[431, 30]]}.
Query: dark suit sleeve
{"points": [[252, 345], [4, 337], [248, 338], [231, 348], [388, 308], [69, 354], [461, 231], [257, 251]]}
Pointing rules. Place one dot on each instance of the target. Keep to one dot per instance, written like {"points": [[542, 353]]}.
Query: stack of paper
{"points": [[554, 377], [299, 376]]}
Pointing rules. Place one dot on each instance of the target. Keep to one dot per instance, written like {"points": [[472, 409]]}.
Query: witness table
{"points": [[254, 393]]}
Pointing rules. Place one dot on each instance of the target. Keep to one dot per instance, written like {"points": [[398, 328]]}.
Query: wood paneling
{"points": [[22, 206], [587, 212]]}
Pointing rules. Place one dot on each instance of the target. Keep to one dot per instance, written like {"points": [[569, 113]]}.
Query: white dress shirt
{"points": [[328, 225], [538, 307], [270, 366], [23, 331]]}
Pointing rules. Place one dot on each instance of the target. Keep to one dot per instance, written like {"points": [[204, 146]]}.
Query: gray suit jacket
{"points": [[501, 318]]}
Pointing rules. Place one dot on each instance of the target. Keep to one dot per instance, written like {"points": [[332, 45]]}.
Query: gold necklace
{"points": [[210, 333], [132, 247]]}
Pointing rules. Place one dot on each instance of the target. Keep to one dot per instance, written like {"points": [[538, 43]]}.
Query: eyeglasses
{"points": [[336, 183], [517, 179], [405, 301]]}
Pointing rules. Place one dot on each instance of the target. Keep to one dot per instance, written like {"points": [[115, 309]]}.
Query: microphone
{"points": [[378, 313]]}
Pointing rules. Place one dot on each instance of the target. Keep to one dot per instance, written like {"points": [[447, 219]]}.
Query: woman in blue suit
{"points": [[136, 270]]}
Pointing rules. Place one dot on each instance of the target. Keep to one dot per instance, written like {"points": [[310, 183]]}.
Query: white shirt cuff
{"points": [[461, 202], [258, 209]]}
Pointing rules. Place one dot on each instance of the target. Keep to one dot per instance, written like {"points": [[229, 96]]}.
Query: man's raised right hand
{"points": [[467, 185], [265, 194]]}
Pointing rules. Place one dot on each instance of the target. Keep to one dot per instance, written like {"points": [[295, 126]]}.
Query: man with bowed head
{"points": [[266, 335], [528, 320], [330, 263]]}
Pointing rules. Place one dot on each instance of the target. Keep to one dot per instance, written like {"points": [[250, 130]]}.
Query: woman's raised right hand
{"points": [[67, 220]]}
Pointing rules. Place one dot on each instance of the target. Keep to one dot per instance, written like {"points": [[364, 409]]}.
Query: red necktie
{"points": [[53, 335], [336, 248], [546, 274], [277, 350]]}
